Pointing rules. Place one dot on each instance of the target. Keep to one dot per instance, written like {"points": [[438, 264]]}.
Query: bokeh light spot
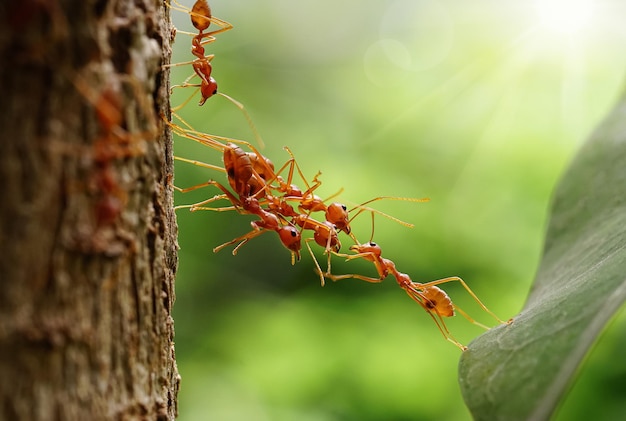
{"points": [[565, 16]]}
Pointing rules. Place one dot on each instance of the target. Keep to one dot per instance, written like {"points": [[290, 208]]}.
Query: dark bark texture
{"points": [[87, 229]]}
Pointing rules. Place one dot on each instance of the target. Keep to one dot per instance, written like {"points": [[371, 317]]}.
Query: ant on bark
{"points": [[253, 179], [250, 175], [113, 143], [201, 19]]}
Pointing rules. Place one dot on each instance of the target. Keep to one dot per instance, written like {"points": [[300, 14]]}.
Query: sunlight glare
{"points": [[565, 16]]}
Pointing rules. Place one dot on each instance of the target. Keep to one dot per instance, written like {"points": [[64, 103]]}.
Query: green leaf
{"points": [[522, 370]]}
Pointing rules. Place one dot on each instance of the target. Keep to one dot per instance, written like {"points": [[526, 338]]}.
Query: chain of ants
{"points": [[256, 188]]}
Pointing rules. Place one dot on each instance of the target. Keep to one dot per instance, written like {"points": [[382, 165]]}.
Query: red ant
{"points": [[113, 143], [428, 295], [201, 19]]}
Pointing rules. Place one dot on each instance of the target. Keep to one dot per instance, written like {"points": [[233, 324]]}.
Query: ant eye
{"points": [[215, 92], [373, 244], [294, 233], [344, 207]]}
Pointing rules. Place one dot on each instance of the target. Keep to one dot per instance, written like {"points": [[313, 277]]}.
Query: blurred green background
{"points": [[478, 105]]}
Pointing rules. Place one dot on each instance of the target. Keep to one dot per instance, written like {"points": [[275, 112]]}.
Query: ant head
{"points": [[208, 89], [290, 237], [337, 214], [370, 247]]}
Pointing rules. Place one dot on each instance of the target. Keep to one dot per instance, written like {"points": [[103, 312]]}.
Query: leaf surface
{"points": [[522, 370]]}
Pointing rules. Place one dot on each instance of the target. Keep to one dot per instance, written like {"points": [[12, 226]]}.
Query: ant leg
{"points": [[328, 258], [381, 213], [290, 163], [236, 204], [362, 208], [468, 318], [444, 330], [185, 102], [318, 269], [243, 239], [255, 132], [191, 34], [197, 207], [285, 186], [294, 163], [200, 164], [336, 278], [185, 63], [239, 105], [468, 289], [421, 299], [196, 187], [405, 199], [212, 141], [337, 193], [367, 255], [225, 26], [200, 205]]}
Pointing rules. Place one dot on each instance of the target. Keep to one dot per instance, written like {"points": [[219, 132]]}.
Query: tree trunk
{"points": [[87, 229]]}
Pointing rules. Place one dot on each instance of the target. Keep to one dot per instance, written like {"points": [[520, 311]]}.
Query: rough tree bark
{"points": [[87, 230]]}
